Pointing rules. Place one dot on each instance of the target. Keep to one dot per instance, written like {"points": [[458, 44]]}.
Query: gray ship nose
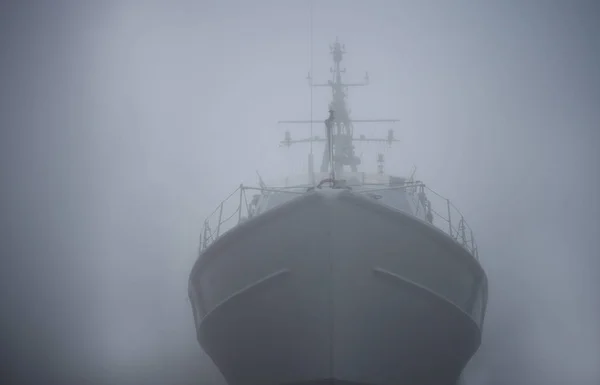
{"points": [[334, 286]]}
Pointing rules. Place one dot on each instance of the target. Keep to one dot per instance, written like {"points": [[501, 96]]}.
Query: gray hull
{"points": [[334, 286]]}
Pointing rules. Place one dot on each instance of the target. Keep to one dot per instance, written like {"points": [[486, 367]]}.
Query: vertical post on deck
{"points": [[449, 218], [462, 231], [219, 223], [202, 239], [240, 206], [205, 232]]}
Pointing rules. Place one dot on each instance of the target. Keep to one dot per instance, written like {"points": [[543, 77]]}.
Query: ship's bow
{"points": [[336, 288]]}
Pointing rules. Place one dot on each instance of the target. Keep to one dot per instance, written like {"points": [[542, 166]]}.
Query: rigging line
{"points": [[310, 4]]}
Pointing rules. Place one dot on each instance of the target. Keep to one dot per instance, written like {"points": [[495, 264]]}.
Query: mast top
{"points": [[337, 50], [339, 152]]}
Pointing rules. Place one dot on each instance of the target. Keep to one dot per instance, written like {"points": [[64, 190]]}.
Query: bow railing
{"points": [[448, 218], [233, 210], [439, 211]]}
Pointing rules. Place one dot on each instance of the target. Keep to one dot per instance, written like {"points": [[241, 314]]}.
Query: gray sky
{"points": [[124, 123]]}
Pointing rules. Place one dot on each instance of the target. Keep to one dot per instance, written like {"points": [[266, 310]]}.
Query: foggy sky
{"points": [[124, 123]]}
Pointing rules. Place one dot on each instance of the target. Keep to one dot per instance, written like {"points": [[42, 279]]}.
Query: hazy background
{"points": [[124, 123]]}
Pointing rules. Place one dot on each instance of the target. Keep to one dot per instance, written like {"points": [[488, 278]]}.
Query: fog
{"points": [[124, 123]]}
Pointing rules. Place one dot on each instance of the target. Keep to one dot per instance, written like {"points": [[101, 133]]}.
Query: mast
{"points": [[339, 151]]}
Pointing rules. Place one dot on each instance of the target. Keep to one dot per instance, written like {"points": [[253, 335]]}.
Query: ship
{"points": [[338, 276]]}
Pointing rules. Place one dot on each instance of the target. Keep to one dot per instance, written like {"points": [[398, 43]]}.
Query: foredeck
{"points": [[424, 203]]}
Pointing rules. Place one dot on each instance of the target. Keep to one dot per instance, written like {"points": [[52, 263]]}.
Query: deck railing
{"points": [[444, 214], [448, 218], [233, 210]]}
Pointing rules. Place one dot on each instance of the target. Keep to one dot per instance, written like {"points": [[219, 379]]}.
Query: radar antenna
{"points": [[339, 151]]}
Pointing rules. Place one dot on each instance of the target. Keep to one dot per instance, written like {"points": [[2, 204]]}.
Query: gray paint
{"points": [[335, 285], [114, 119]]}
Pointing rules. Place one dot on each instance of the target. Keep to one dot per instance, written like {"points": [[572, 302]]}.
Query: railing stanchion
{"points": [[462, 231], [205, 234], [449, 218], [240, 206], [219, 223]]}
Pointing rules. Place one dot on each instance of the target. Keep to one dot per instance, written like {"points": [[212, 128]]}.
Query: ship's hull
{"points": [[336, 287]]}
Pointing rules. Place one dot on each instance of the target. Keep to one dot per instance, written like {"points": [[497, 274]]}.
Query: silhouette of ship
{"points": [[341, 277]]}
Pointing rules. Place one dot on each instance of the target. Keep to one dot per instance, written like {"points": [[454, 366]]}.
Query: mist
{"points": [[123, 124]]}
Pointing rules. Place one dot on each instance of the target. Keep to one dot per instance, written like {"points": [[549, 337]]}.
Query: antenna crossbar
{"points": [[340, 152], [351, 121]]}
